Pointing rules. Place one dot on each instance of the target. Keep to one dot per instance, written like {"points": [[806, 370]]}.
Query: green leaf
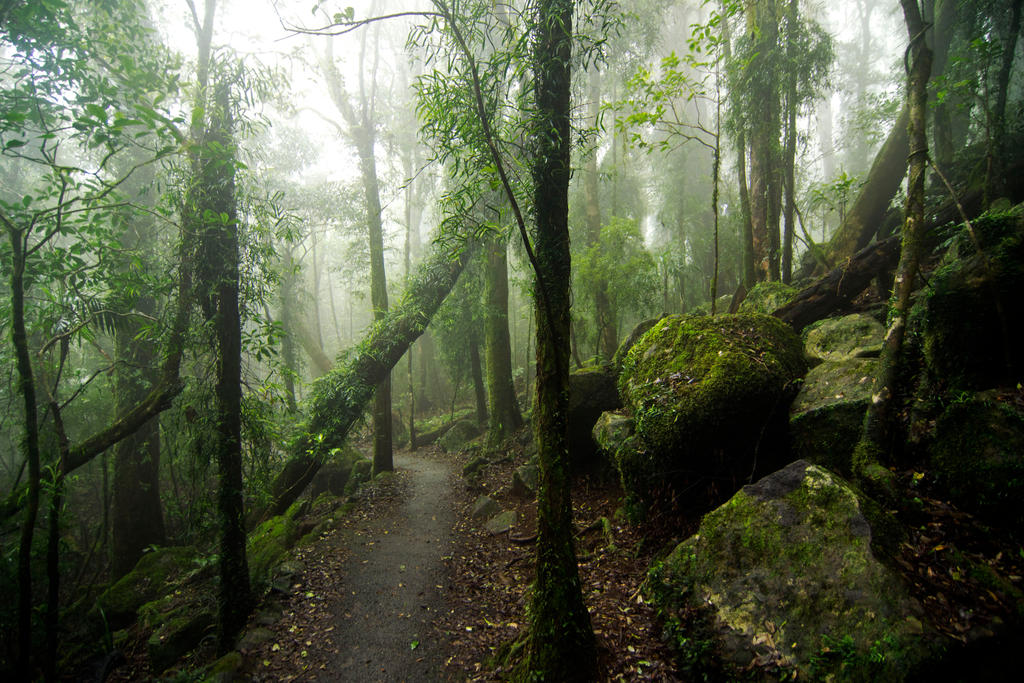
{"points": [[414, 644], [14, 144]]}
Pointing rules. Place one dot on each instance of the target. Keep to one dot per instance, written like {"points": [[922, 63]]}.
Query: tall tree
{"points": [[561, 640], [210, 210], [880, 429], [361, 121]]}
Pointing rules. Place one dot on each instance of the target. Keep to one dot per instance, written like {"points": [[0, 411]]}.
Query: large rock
{"points": [[827, 415], [334, 474], [973, 321], [783, 578], [150, 578], [709, 398], [592, 391], [977, 458], [458, 436], [851, 336], [766, 297]]}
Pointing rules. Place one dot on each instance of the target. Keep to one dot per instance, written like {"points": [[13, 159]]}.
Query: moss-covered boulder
{"points": [[149, 580], [722, 304], [612, 430], [334, 474], [977, 458], [782, 579], [851, 336], [767, 297], [973, 322], [826, 417], [177, 635], [592, 391], [458, 436], [709, 397], [639, 330]]}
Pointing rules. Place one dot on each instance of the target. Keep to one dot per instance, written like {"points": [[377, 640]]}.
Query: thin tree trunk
{"points": [[880, 424], [504, 416], [29, 446], [479, 391]]}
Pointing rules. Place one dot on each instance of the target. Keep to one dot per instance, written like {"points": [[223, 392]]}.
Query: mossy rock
{"points": [[973, 323], [782, 580], [177, 636], [827, 415], [334, 474], [977, 457], [722, 305], [592, 391], [639, 330], [362, 472], [709, 398], [767, 297], [851, 336], [269, 543], [612, 430], [147, 581], [458, 436]]}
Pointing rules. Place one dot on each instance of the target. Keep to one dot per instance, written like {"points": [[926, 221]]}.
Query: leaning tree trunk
{"points": [[868, 211], [340, 397], [879, 433], [561, 640]]}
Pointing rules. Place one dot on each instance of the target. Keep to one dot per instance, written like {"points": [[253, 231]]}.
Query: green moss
{"points": [[269, 543], [707, 389], [766, 297], [978, 458], [146, 582], [783, 567], [974, 314], [852, 336], [827, 415]]}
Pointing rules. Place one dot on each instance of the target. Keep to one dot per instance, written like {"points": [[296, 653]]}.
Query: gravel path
{"points": [[394, 579]]}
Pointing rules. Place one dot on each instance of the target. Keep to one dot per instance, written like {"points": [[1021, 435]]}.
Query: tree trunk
{"points": [[217, 198], [996, 175], [479, 391], [504, 416], [342, 395], [561, 640], [29, 447], [789, 160], [138, 520], [880, 424]]}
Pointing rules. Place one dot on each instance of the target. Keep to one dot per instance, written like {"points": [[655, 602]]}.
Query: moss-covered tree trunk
{"points": [[220, 252], [341, 396], [504, 417], [561, 639], [880, 432]]}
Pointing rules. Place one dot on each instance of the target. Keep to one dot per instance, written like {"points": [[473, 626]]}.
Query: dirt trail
{"points": [[393, 578]]}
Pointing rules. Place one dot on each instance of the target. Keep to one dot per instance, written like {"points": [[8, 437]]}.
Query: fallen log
{"points": [[837, 289]]}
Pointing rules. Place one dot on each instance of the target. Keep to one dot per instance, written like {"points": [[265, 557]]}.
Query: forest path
{"points": [[393, 580], [371, 589]]}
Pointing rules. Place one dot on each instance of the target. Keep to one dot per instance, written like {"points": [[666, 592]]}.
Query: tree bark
{"points": [[341, 396], [561, 640], [479, 390]]}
